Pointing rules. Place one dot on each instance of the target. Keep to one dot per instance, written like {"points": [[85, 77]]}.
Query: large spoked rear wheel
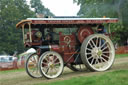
{"points": [[97, 52], [31, 66], [51, 64]]}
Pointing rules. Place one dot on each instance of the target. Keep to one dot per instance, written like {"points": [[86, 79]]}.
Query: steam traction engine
{"points": [[71, 42]]}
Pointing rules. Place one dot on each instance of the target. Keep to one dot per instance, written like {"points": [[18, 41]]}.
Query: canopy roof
{"points": [[35, 22]]}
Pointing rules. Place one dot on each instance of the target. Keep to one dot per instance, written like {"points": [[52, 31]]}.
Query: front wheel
{"points": [[31, 66], [51, 64], [97, 52]]}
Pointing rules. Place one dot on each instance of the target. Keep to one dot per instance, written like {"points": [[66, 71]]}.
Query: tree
{"points": [[108, 8], [97, 8], [11, 12], [39, 8], [123, 12]]}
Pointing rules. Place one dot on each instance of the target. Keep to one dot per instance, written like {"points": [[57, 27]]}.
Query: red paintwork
{"points": [[56, 48], [29, 44], [84, 32], [72, 21], [67, 43], [66, 21]]}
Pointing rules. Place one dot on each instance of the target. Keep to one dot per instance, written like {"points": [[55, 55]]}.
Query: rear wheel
{"points": [[97, 52], [31, 66], [51, 64]]}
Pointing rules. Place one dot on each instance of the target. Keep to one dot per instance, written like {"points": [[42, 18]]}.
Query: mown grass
{"points": [[119, 77], [121, 55]]}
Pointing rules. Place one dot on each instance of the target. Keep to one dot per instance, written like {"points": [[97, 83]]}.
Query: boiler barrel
{"points": [[45, 48]]}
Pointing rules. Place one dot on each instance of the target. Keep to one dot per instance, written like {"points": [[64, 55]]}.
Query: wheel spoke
{"points": [[107, 52], [97, 41], [35, 58], [105, 56], [89, 49], [44, 63], [52, 57], [104, 60], [57, 63], [48, 72], [46, 59], [97, 60], [90, 45], [103, 44], [92, 61], [55, 60], [51, 71], [32, 60], [89, 53], [93, 43], [45, 69], [55, 69], [34, 69], [104, 48], [101, 60], [90, 57]]}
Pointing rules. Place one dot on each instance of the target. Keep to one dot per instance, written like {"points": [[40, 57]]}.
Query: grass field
{"points": [[121, 55], [11, 71], [119, 77]]}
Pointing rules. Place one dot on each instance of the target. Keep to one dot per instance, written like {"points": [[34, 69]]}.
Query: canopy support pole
{"points": [[109, 30], [23, 33], [30, 33]]}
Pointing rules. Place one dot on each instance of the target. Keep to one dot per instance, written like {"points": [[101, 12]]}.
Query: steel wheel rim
{"points": [[99, 55], [32, 66], [52, 65]]}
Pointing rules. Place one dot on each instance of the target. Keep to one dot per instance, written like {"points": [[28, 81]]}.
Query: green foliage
{"points": [[97, 8], [120, 33], [11, 12], [108, 8], [39, 8], [123, 12], [37, 5]]}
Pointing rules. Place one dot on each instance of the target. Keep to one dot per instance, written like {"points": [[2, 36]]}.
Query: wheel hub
{"points": [[51, 65], [96, 52], [99, 53]]}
